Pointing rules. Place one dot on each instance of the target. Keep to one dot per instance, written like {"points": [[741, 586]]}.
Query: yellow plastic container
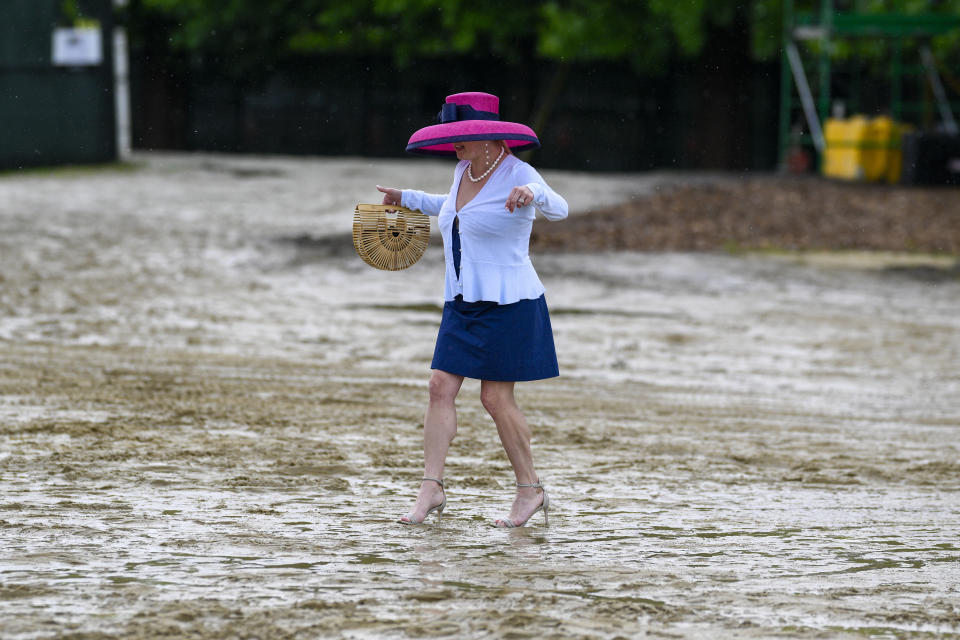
{"points": [[862, 149], [843, 157], [878, 152], [895, 162]]}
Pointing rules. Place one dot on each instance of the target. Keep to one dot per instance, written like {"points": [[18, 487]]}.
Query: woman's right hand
{"points": [[390, 196]]}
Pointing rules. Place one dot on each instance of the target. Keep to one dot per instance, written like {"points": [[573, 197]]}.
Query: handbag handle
{"points": [[382, 208]]}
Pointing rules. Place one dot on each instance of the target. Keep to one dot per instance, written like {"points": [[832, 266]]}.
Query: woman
{"points": [[495, 325]]}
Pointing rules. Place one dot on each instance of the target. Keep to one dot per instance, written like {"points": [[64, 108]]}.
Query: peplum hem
{"points": [[503, 284]]}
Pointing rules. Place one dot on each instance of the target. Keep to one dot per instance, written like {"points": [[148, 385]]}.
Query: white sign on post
{"points": [[77, 47]]}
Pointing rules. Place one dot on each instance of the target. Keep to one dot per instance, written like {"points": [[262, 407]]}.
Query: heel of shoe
{"points": [[546, 506], [439, 508]]}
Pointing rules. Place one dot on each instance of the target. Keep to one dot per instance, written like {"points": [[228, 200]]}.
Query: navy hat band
{"points": [[452, 112]]}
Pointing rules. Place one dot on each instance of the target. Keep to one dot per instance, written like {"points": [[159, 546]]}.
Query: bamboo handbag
{"points": [[390, 240]]}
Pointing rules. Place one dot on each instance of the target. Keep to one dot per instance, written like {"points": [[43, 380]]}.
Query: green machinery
{"points": [[824, 23]]}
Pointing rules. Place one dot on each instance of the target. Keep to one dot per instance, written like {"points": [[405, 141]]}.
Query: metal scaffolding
{"points": [[821, 23]]}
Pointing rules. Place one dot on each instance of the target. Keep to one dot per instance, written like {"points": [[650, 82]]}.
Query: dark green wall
{"points": [[53, 115]]}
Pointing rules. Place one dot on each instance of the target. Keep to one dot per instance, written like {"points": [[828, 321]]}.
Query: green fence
{"points": [[56, 102]]}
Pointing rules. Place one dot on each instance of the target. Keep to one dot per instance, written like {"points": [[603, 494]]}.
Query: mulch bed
{"points": [[767, 212]]}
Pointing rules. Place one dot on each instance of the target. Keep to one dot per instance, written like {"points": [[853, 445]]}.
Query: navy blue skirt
{"points": [[490, 341]]}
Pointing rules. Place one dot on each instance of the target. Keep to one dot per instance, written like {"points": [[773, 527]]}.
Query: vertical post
{"points": [[121, 79], [856, 82], [896, 88], [105, 73], [786, 95], [826, 24]]}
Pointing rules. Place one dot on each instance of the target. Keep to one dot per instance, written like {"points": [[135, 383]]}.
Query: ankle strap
{"points": [[536, 485], [437, 480]]}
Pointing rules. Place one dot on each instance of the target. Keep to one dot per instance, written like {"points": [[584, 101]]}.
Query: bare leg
{"points": [[498, 400], [439, 428]]}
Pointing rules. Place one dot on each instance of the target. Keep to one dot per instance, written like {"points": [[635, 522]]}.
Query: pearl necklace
{"points": [[485, 173]]}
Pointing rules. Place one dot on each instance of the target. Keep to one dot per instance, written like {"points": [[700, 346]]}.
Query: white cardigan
{"points": [[494, 260]]}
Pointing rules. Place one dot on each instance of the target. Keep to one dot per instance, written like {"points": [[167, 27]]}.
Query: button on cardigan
{"points": [[494, 260]]}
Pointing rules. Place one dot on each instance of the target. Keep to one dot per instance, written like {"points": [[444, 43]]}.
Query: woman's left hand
{"points": [[519, 197]]}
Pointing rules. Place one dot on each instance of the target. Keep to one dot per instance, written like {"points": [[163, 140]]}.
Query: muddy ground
{"points": [[768, 212], [210, 418]]}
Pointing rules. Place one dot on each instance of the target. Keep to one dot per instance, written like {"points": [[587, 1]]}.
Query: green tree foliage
{"points": [[254, 34], [412, 28], [646, 33], [243, 37]]}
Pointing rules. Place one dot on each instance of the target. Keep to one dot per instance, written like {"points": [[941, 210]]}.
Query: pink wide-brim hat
{"points": [[470, 116]]}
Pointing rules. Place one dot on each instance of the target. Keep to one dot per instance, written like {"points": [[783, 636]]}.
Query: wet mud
{"points": [[211, 417]]}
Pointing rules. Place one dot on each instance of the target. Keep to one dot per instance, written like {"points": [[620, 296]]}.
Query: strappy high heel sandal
{"points": [[507, 523], [438, 508]]}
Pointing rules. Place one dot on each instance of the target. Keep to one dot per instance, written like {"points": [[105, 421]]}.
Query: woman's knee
{"points": [[496, 397], [443, 387]]}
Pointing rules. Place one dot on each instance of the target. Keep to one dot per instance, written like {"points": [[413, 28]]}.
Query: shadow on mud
{"points": [[310, 249], [926, 273]]}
